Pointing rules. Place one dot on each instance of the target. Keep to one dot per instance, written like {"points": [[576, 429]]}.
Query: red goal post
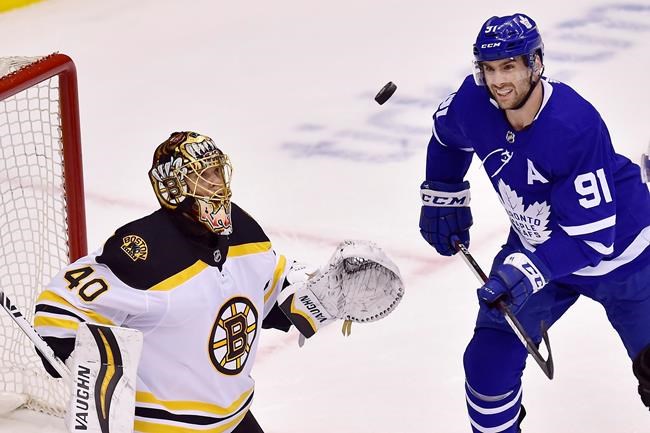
{"points": [[37, 72], [42, 212]]}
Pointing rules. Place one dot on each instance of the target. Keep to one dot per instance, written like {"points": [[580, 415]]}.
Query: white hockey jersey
{"points": [[199, 300]]}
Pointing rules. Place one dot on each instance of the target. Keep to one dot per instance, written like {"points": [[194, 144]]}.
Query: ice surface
{"points": [[286, 88]]}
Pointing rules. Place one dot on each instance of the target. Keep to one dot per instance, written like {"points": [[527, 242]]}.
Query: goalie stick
{"points": [[35, 338], [545, 364], [103, 376]]}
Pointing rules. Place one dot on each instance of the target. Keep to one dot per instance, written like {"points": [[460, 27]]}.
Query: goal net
{"points": [[42, 220]]}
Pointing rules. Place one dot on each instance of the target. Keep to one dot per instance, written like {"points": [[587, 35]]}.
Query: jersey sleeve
{"points": [[273, 316], [584, 203], [85, 291], [449, 152]]}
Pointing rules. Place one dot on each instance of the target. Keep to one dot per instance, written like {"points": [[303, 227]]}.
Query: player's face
{"points": [[209, 184], [508, 81], [212, 199]]}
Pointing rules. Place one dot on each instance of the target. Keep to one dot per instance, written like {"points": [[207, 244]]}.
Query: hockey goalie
{"points": [[185, 292]]}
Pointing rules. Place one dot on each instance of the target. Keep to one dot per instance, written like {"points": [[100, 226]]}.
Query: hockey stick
{"points": [[645, 166], [35, 338], [545, 364]]}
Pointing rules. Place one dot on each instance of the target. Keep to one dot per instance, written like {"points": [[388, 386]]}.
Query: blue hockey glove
{"points": [[445, 213], [513, 282]]}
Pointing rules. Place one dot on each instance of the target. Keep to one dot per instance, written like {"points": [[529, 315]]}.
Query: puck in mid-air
{"points": [[385, 92]]}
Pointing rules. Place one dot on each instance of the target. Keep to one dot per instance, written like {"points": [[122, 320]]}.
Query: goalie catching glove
{"points": [[358, 284]]}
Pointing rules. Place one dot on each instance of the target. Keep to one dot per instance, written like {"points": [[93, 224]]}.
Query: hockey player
{"points": [[580, 216], [199, 278]]}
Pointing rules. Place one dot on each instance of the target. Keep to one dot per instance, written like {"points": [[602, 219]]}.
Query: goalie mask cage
{"points": [[42, 220]]}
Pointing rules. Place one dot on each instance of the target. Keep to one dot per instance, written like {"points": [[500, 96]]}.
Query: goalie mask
{"points": [[190, 173]]}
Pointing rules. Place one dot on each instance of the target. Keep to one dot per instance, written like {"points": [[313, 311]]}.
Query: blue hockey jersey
{"points": [[571, 199]]}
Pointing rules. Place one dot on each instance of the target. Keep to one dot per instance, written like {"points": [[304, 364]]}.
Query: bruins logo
{"points": [[232, 335], [135, 247]]}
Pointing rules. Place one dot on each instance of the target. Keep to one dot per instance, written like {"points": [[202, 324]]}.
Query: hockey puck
{"points": [[385, 93]]}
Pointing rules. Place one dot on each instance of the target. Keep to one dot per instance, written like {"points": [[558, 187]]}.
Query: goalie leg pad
{"points": [[641, 368], [104, 366]]}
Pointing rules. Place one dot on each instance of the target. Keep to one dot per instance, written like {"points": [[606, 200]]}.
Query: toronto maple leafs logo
{"points": [[531, 222], [525, 22]]}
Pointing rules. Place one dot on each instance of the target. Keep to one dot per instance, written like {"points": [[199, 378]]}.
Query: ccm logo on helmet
{"points": [[491, 45]]}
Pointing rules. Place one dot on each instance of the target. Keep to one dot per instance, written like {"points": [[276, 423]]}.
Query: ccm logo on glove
{"points": [[526, 267], [442, 198]]}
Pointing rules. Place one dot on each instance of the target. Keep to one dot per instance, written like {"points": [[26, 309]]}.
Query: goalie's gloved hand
{"points": [[512, 282], [360, 283], [445, 214], [301, 306]]}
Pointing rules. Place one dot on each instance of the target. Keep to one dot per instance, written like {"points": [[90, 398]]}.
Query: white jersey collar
{"points": [[548, 89]]}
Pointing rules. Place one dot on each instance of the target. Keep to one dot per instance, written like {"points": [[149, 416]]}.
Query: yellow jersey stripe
{"points": [[55, 323], [150, 427], [179, 278], [246, 249], [94, 317], [6, 5], [181, 405], [279, 270]]}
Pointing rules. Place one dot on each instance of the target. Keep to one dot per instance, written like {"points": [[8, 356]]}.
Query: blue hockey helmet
{"points": [[505, 37]]}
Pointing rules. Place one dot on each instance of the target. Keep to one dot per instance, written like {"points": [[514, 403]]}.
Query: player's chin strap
{"points": [[103, 365], [358, 284]]}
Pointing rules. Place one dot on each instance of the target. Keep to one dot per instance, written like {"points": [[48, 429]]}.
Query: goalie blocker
{"points": [[104, 366], [358, 284]]}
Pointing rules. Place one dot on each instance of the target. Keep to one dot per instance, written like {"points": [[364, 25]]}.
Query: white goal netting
{"points": [[33, 226]]}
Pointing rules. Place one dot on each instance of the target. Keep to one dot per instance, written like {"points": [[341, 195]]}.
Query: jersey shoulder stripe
{"points": [[148, 252], [179, 278], [159, 251]]}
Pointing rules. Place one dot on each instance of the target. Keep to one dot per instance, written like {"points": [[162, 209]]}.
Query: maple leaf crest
{"points": [[530, 222]]}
